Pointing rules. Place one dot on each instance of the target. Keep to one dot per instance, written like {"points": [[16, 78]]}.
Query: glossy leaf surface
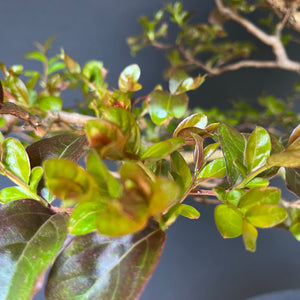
{"points": [[229, 221], [266, 216], [233, 146], [25, 255], [292, 177], [15, 159], [249, 236], [259, 195], [95, 267], [70, 146], [215, 168], [128, 80], [127, 124], [163, 106], [258, 149]]}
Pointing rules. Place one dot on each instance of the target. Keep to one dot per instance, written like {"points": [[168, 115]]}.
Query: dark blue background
{"points": [[196, 263]]}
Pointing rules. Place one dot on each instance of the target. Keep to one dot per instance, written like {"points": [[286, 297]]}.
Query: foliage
{"points": [[105, 233]]}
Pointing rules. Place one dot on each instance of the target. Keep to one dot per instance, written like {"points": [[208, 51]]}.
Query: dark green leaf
{"points": [[229, 221], [102, 267], [163, 106], [259, 195], [180, 166], [15, 159], [233, 145], [70, 146], [249, 236], [38, 235], [258, 149], [265, 216], [292, 178]]}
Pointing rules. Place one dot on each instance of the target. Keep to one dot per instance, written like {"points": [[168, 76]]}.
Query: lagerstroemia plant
{"points": [[104, 237]]}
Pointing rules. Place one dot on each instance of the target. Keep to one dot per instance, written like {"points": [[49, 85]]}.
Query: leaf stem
{"points": [[251, 176], [22, 184]]}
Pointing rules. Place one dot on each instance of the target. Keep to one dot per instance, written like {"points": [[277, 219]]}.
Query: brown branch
{"points": [[282, 61], [42, 126]]}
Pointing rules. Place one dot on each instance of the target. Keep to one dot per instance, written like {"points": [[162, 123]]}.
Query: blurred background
{"points": [[196, 263]]}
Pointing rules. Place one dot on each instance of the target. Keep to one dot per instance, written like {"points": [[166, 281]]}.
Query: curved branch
{"points": [[282, 60]]}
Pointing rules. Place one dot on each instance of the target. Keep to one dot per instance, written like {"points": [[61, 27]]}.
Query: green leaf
{"points": [[229, 221], [295, 230], [25, 255], [180, 209], [84, 217], [69, 181], [70, 146], [289, 159], [209, 150], [258, 149], [113, 221], [162, 149], [259, 195], [36, 55], [165, 194], [18, 89], [163, 106], [13, 193], [128, 80], [49, 103], [56, 66], [292, 179], [195, 120], [106, 182], [127, 124], [257, 182], [102, 267], [249, 236], [15, 159], [266, 216], [35, 177], [234, 195], [180, 166], [233, 145], [176, 80], [220, 193], [215, 168]]}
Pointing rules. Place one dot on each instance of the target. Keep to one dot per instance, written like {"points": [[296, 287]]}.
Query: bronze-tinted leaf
{"points": [[96, 267]]}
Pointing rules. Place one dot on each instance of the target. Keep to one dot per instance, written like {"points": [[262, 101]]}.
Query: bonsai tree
{"points": [[95, 188]]}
